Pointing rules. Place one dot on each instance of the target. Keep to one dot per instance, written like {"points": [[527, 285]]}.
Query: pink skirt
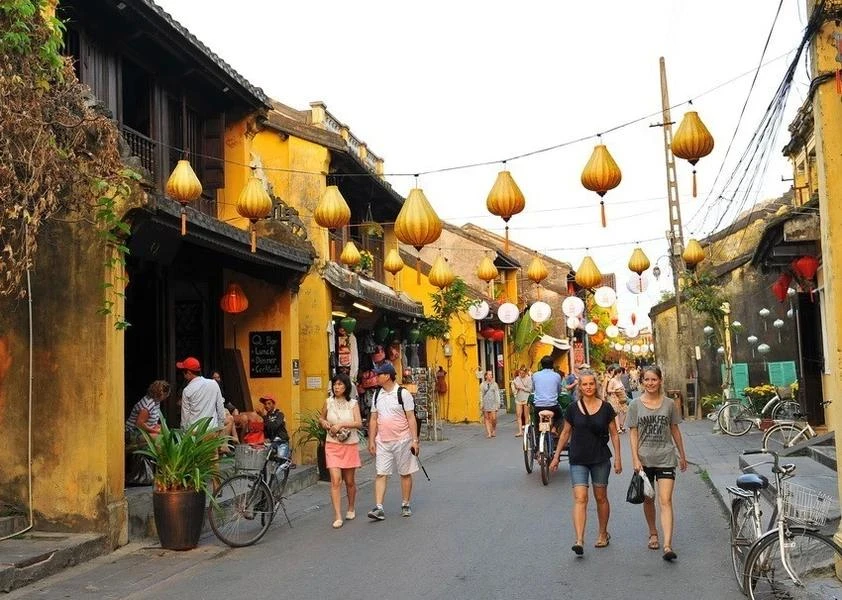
{"points": [[342, 456]]}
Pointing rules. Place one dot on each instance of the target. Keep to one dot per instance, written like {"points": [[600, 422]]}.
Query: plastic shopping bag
{"points": [[648, 490], [635, 495]]}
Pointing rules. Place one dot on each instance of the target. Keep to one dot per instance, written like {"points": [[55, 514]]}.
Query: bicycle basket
{"points": [[806, 506], [249, 458]]}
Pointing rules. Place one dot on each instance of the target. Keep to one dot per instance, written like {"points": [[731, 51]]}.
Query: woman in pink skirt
{"points": [[341, 418]]}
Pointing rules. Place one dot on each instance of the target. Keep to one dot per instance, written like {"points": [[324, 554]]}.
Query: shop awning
{"points": [[373, 292], [561, 344]]}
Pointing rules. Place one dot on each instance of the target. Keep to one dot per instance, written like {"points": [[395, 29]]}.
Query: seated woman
{"points": [[250, 424], [146, 414]]}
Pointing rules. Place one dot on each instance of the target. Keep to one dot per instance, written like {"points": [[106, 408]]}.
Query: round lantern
{"points": [[417, 223], [605, 296], [736, 325], [381, 333], [790, 313], [791, 292], [598, 337], [635, 348], [626, 347], [588, 275], [508, 313], [349, 324], [638, 262], [778, 324], [693, 254], [540, 312], [806, 266], [618, 347], [537, 271], [393, 263], [505, 200], [572, 322], [612, 331], [413, 335], [764, 348], [254, 204], [614, 320], [720, 350], [498, 335], [350, 255], [591, 328], [234, 300], [692, 141], [572, 306], [486, 271], [752, 339], [332, 211], [184, 187], [487, 332], [479, 310], [601, 174], [441, 275], [637, 284], [781, 285], [632, 332], [708, 330]]}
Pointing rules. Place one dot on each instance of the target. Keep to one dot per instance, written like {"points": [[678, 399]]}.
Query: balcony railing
{"points": [[321, 117], [372, 245], [145, 148]]}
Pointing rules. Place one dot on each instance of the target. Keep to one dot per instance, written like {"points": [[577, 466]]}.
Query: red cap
{"points": [[189, 364]]}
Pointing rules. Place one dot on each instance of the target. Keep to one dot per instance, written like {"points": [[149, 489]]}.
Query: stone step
{"points": [[37, 554], [825, 455]]}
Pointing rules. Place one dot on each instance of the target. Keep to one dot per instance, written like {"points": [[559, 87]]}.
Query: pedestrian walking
{"points": [[489, 394], [655, 437], [588, 426], [616, 396], [521, 387], [201, 397], [392, 439], [341, 418]]}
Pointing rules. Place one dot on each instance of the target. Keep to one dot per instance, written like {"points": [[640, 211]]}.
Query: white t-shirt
{"points": [[202, 398], [392, 424]]}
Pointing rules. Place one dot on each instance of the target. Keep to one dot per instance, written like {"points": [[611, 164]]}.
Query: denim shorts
{"points": [[598, 474]]}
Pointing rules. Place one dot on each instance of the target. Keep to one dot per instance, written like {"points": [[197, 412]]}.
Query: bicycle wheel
{"points": [[744, 532], [810, 557], [528, 449], [734, 419], [242, 510], [786, 410], [544, 458], [782, 436]]}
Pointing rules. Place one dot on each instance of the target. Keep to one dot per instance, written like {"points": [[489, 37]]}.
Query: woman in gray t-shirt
{"points": [[653, 424]]}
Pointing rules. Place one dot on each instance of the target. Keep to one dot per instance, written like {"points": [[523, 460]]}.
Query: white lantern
{"points": [[778, 323], [591, 328], [612, 331], [572, 322], [478, 310], [708, 330], [791, 292], [764, 312], [572, 306], [508, 312], [540, 312], [752, 339], [618, 347], [632, 332], [637, 284], [737, 325], [720, 350], [651, 347], [605, 296], [635, 348], [764, 348], [789, 314], [626, 347]]}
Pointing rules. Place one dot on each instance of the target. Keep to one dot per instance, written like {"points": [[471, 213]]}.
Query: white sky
{"points": [[436, 84]]}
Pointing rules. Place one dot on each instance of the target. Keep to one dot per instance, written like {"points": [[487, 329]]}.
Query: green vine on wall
{"points": [[447, 303]]}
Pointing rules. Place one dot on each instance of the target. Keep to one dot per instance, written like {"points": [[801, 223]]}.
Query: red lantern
{"points": [[234, 300], [781, 285], [487, 332], [633, 318], [570, 289], [498, 335], [614, 320], [806, 266]]}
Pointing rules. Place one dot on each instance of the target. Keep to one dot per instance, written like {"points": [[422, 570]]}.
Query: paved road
{"points": [[482, 528]]}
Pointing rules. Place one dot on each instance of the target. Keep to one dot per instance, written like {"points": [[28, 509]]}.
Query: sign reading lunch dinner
{"points": [[265, 353]]}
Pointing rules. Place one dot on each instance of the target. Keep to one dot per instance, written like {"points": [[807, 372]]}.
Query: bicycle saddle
{"points": [[752, 482], [546, 413]]}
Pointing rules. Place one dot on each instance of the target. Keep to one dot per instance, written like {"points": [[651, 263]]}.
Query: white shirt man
{"points": [[201, 397]]}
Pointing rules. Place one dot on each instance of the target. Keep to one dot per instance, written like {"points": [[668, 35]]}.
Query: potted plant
{"points": [[185, 463], [366, 265], [311, 430]]}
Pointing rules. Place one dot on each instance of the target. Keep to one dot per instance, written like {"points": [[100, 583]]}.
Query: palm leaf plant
{"points": [[311, 429]]}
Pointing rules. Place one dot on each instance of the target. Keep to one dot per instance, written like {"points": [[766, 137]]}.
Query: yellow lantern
{"points": [[692, 141], [601, 174], [417, 224], [441, 275], [537, 271], [505, 199], [638, 262], [587, 275], [332, 211], [350, 255], [486, 270], [393, 262], [693, 254], [184, 187], [254, 204]]}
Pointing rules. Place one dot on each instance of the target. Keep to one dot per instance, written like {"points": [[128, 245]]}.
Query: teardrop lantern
{"points": [[393, 263], [781, 286], [537, 272], [486, 271], [332, 211], [254, 204], [350, 256], [692, 141], [588, 275], [601, 174], [441, 275], [234, 300], [184, 187], [693, 254], [417, 224], [505, 199], [638, 262]]}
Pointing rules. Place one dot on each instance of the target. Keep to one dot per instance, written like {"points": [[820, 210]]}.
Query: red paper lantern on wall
{"points": [[781, 285], [806, 266], [498, 335], [234, 300], [487, 332]]}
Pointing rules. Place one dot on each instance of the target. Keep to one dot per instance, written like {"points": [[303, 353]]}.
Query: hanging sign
{"points": [[264, 354]]}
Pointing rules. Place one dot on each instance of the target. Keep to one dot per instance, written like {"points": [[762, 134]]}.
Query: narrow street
{"points": [[482, 528]]}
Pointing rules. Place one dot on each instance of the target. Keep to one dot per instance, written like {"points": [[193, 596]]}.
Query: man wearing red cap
{"points": [[201, 397]]}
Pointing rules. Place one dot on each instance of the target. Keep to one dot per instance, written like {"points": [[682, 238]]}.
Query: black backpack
{"points": [[418, 420]]}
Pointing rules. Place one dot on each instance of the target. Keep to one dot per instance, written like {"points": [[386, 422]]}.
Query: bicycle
{"points": [[785, 561], [785, 435], [539, 441], [737, 416], [243, 506]]}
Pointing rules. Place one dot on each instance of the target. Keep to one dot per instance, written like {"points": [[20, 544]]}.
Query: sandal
{"points": [[578, 549], [653, 544], [338, 523], [669, 555], [600, 543]]}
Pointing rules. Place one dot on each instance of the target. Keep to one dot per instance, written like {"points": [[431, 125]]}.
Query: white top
{"points": [[342, 411], [202, 398], [392, 424]]}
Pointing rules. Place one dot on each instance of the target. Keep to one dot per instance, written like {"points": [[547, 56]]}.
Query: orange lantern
{"points": [[486, 270], [601, 174], [638, 262], [184, 187], [692, 141], [393, 262], [417, 224], [505, 199], [693, 254], [350, 256], [332, 211], [234, 300], [588, 275], [254, 204], [441, 275], [537, 272]]}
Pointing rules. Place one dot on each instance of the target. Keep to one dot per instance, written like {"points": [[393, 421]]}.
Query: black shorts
{"points": [[653, 473]]}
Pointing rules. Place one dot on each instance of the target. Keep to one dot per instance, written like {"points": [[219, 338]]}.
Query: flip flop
{"points": [[653, 544], [603, 543], [578, 549]]}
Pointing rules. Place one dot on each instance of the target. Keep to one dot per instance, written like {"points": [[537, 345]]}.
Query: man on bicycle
{"points": [[547, 385]]}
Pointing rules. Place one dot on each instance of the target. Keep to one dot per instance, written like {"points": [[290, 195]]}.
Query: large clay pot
{"points": [[178, 518]]}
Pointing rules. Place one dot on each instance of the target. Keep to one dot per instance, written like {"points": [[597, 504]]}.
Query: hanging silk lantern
{"points": [[587, 275], [184, 187], [781, 286], [350, 256], [349, 324], [601, 174], [441, 275], [537, 270], [486, 271], [638, 262], [505, 199], [487, 332], [633, 319], [637, 284], [254, 204], [234, 300], [693, 254], [332, 211], [614, 320], [498, 335], [417, 224], [806, 267], [692, 141], [393, 263]]}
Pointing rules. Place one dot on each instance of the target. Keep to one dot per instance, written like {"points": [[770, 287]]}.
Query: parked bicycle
{"points": [[786, 561], [737, 416], [784, 435], [243, 506]]}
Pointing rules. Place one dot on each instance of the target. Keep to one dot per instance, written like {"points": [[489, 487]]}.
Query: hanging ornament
{"points": [[601, 174], [413, 335], [635, 348], [790, 313], [612, 331], [605, 296], [508, 313], [626, 347], [417, 224], [572, 322], [781, 285], [184, 187], [572, 306], [350, 256], [598, 338], [778, 324], [764, 312], [254, 204], [487, 332], [693, 254], [614, 320], [633, 318], [349, 324], [618, 347], [498, 335], [588, 275], [540, 312], [393, 263], [752, 340], [637, 284], [537, 271], [720, 350], [591, 328], [486, 271], [441, 274], [806, 267], [505, 199], [479, 310], [234, 300], [332, 212], [638, 262], [692, 141]]}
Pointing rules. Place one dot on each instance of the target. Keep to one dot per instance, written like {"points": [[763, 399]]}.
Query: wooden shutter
{"points": [[739, 375], [213, 148], [781, 374]]}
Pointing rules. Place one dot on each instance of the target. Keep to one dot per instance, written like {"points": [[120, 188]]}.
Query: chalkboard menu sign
{"points": [[265, 354]]}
